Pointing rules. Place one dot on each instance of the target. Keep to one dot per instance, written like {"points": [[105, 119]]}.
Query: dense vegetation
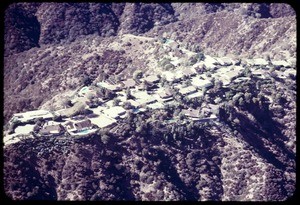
{"points": [[248, 153]]}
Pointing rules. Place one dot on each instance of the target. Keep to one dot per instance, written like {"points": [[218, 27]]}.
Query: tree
{"points": [[116, 102], [86, 80], [128, 94], [138, 74], [105, 139]]}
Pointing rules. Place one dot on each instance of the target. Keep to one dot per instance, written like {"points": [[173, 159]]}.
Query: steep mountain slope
{"points": [[53, 49], [216, 29]]}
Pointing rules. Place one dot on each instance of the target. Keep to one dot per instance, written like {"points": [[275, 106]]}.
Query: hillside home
{"points": [[165, 95], [201, 83], [152, 79], [83, 125], [108, 86], [195, 95], [191, 113], [281, 63], [156, 105], [52, 129], [103, 121], [115, 112], [133, 103], [129, 83], [31, 116], [187, 90], [142, 97], [260, 62], [171, 76], [225, 61]]}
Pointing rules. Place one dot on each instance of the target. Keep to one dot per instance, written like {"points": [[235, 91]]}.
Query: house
{"points": [[191, 113], [171, 76], [31, 116], [52, 129], [133, 103], [195, 95], [108, 86], [165, 95], [129, 83], [259, 62], [83, 125], [281, 63], [188, 72], [225, 61], [142, 97], [152, 79], [115, 112], [103, 121], [81, 128], [187, 90], [156, 105], [201, 83]]}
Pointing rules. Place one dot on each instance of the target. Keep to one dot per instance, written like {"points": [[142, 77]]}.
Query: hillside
{"points": [[236, 64]]}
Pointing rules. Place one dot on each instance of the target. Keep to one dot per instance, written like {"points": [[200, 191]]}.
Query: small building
{"points": [[165, 95], [156, 105], [133, 103], [31, 116], [171, 76], [187, 90], [201, 83], [129, 83], [281, 63], [115, 112], [52, 129], [103, 121], [225, 61], [152, 79], [260, 62], [195, 95], [108, 86], [191, 113], [83, 125], [142, 97]]}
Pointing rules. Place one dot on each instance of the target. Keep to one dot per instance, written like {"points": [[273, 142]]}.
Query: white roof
{"points": [[260, 61], [103, 121], [107, 85], [200, 83], [114, 112], [171, 76], [225, 60], [30, 115], [280, 63], [290, 71], [156, 105], [140, 94], [187, 90], [195, 95], [151, 78], [26, 129], [210, 62], [133, 103], [97, 110]]}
